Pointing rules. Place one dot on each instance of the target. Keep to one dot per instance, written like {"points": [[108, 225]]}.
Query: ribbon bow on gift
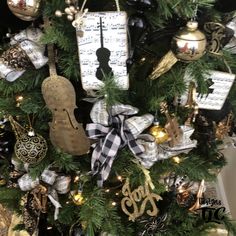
{"points": [[111, 133], [57, 185]]}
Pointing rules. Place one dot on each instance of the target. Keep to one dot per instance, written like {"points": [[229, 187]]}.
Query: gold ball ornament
{"points": [[189, 43], [31, 148], [2, 181], [159, 133], [77, 198], [24, 9]]}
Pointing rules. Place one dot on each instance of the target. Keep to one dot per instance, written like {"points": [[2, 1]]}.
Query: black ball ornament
{"points": [[137, 27], [142, 5]]}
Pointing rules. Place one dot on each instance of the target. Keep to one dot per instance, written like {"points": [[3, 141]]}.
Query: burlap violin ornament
{"points": [[65, 132]]}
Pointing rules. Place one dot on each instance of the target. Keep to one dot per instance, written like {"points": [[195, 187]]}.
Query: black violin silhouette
{"points": [[103, 57]]}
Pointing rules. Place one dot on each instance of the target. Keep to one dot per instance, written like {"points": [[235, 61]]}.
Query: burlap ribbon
{"points": [[56, 185], [109, 139]]}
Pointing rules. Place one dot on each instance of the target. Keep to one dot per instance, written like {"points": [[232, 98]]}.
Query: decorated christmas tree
{"points": [[113, 116]]}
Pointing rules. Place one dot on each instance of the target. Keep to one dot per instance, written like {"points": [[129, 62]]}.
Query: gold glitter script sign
{"points": [[130, 200]]}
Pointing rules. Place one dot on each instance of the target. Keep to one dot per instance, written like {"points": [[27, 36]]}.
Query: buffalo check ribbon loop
{"points": [[109, 139]]}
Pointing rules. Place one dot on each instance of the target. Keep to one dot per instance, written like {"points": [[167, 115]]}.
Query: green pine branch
{"points": [[93, 211]]}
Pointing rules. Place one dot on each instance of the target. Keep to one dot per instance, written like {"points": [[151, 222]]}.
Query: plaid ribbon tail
{"points": [[134, 147], [103, 156]]}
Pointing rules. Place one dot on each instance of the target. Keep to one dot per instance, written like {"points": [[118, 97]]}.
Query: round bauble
{"points": [[159, 133], [142, 5], [138, 22], [25, 10], [138, 25], [2, 181], [31, 149], [77, 198], [189, 43]]}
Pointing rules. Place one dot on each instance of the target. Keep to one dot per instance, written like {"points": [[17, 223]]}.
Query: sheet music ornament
{"points": [[103, 49], [189, 44]]}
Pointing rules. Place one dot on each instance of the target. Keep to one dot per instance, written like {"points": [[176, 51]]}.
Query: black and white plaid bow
{"points": [[109, 141]]}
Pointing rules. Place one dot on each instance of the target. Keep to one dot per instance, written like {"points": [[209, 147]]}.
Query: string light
{"points": [[49, 227], [76, 179], [113, 203], [19, 99], [107, 190], [119, 178], [176, 159]]}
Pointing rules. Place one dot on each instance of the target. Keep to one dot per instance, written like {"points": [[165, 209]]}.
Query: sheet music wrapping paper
{"points": [[221, 83], [103, 30], [29, 41]]}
